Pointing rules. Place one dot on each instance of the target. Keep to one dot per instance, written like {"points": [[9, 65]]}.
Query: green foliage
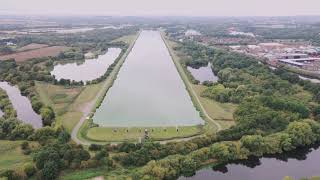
{"points": [[13, 129], [47, 115], [174, 166], [29, 169], [301, 133]]}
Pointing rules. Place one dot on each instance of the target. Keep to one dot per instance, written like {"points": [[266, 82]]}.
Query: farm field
{"points": [[35, 53], [32, 46]]}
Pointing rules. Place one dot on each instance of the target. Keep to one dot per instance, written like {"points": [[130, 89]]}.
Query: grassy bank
{"points": [[11, 155], [67, 102], [217, 115], [105, 134]]}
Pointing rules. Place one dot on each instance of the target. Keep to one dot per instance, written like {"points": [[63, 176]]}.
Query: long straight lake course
{"points": [[148, 91]]}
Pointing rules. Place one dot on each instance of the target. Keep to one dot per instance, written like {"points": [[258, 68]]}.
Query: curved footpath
{"points": [[87, 109]]}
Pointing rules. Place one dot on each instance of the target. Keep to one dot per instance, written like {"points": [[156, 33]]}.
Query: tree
{"points": [[29, 169], [47, 115], [50, 170], [301, 133], [22, 131], [189, 167], [254, 143]]}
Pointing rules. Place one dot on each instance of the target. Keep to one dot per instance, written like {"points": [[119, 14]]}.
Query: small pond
{"points": [[22, 105], [203, 73], [89, 70]]}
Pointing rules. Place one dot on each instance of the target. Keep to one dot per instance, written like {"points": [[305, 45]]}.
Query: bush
{"points": [[29, 169], [95, 147]]}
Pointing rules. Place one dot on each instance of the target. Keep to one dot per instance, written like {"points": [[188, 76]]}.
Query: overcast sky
{"points": [[163, 7]]}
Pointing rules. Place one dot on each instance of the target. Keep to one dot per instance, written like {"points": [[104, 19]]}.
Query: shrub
{"points": [[29, 169]]}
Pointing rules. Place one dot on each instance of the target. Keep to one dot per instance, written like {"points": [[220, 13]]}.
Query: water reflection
{"points": [[148, 91], [22, 105], [298, 163], [203, 73], [89, 70]]}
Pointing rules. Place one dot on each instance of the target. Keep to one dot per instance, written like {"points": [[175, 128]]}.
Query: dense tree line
{"points": [[139, 154], [295, 135]]}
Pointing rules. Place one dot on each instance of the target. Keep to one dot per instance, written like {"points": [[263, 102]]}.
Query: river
{"points": [[148, 91], [89, 70], [297, 164], [22, 105]]}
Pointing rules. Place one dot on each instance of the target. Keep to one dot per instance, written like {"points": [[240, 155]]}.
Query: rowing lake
{"points": [[148, 91], [89, 70]]}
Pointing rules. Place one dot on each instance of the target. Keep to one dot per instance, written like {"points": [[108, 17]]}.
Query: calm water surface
{"points": [[203, 74], [297, 164], [22, 105], [89, 70], [148, 90]]}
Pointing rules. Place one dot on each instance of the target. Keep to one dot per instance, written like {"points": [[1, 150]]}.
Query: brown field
{"points": [[32, 46], [36, 53]]}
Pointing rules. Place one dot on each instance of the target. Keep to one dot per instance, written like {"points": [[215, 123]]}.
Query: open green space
{"points": [[58, 97], [67, 102], [134, 134], [11, 155], [127, 39]]}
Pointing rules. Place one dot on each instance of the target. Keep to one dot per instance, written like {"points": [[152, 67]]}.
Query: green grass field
{"points": [[216, 110], [11, 155], [133, 134], [67, 102], [72, 116], [58, 97], [127, 39]]}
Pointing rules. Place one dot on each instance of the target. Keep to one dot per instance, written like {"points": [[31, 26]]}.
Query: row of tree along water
{"points": [[297, 164]]}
